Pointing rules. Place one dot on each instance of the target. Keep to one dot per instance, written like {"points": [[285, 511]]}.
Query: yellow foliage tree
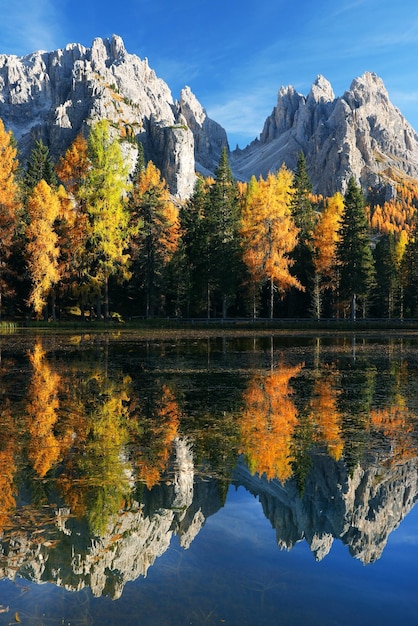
{"points": [[325, 239], [42, 249], [269, 233]]}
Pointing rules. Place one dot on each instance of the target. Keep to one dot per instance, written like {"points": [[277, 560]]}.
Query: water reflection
{"points": [[110, 447]]}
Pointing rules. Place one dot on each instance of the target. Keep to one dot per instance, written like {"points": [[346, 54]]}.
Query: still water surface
{"points": [[260, 480]]}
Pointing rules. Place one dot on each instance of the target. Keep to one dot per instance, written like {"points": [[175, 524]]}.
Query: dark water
{"points": [[263, 480]]}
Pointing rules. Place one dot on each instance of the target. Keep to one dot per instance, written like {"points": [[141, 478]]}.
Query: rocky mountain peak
{"points": [[360, 134], [321, 90]]}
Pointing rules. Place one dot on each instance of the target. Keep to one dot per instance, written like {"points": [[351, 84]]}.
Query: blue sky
{"points": [[235, 55]]}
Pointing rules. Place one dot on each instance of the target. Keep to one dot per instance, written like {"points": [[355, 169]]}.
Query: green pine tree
{"points": [[224, 251], [304, 218], [355, 259], [39, 167]]}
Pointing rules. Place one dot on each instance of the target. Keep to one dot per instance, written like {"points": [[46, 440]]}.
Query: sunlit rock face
{"points": [[360, 509], [53, 96], [360, 134]]}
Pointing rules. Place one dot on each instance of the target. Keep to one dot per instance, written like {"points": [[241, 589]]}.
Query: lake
{"points": [[203, 478]]}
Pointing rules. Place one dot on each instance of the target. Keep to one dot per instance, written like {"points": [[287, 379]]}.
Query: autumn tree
{"points": [[325, 239], [104, 193], [8, 206], [354, 255], [269, 233], [43, 207], [72, 226], [155, 232]]}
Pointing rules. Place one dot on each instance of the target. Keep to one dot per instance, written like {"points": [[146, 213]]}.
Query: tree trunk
{"points": [[208, 301], [99, 308], [353, 307], [271, 298], [106, 299], [224, 299]]}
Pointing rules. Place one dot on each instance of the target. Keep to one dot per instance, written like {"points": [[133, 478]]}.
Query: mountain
{"points": [[53, 96], [360, 134]]}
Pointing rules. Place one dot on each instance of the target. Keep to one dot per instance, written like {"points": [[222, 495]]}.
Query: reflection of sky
{"points": [[338, 590]]}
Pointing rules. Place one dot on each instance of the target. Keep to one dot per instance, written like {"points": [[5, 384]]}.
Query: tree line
{"points": [[85, 236]]}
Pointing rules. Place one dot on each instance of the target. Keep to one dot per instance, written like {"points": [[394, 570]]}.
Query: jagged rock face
{"points": [[360, 134], [56, 95]]}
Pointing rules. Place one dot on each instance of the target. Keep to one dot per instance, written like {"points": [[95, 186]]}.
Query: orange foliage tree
{"points": [[156, 231], [8, 203], [72, 225]]}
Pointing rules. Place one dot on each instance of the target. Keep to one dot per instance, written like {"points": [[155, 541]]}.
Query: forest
{"points": [[83, 238]]}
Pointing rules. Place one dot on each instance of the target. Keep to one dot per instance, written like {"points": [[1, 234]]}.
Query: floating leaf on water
{"points": [[17, 618]]}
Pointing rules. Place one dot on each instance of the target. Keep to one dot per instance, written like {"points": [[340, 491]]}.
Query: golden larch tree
{"points": [[8, 203], [325, 239], [269, 232], [43, 208]]}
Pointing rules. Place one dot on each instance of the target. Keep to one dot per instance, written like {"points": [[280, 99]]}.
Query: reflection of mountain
{"points": [[361, 510], [66, 554]]}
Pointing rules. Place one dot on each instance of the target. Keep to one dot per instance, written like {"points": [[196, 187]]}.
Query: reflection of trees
{"points": [[357, 389], [325, 413], [8, 447], [394, 420], [95, 481], [42, 413], [159, 427], [268, 422]]}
